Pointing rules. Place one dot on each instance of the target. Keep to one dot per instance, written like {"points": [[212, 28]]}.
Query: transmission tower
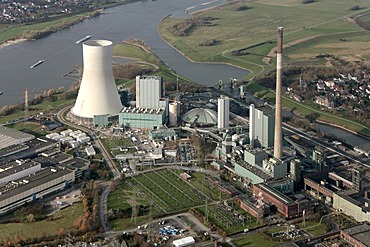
{"points": [[134, 212]]}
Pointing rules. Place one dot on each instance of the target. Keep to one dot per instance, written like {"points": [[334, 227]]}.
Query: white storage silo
{"points": [[173, 113]]}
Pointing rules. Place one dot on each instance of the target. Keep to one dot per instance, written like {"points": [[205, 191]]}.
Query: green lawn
{"points": [[113, 145], [254, 240], [314, 228], [254, 31], [63, 219]]}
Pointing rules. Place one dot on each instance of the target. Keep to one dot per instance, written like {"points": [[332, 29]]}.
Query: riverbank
{"points": [[248, 71], [343, 128], [11, 42]]}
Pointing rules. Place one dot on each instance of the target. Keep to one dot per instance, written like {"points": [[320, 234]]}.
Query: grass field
{"points": [[254, 240], [164, 190], [145, 58], [314, 227], [113, 144], [63, 219], [309, 29], [12, 31], [219, 215]]}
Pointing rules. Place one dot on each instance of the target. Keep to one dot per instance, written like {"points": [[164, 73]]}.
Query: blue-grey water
{"points": [[134, 20], [62, 54]]}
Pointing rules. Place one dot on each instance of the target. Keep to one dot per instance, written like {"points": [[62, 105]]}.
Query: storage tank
{"points": [[98, 94], [173, 113]]}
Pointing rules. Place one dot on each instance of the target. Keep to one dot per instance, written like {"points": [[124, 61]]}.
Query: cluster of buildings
{"points": [[22, 11], [345, 92], [31, 169], [99, 104]]}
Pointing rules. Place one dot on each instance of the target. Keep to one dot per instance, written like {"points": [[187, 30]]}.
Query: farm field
{"points": [[309, 30]]}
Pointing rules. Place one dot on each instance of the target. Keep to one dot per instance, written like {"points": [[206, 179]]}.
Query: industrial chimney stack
{"points": [[278, 141]]}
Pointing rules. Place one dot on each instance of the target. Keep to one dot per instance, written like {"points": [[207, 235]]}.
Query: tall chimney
{"points": [[278, 141]]}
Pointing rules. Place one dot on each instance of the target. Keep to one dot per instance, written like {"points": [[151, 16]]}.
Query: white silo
{"points": [[98, 94], [223, 112], [173, 113]]}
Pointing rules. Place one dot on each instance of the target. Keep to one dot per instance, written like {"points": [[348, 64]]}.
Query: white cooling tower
{"points": [[98, 93], [173, 113]]}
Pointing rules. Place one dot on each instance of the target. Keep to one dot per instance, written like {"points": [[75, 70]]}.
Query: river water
{"points": [[134, 20], [62, 54]]}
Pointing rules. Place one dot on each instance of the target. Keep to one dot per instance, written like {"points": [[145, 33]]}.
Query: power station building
{"points": [[98, 94], [261, 126], [142, 117], [223, 112], [148, 91]]}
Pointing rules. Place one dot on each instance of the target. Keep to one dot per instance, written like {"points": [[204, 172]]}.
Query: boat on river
{"points": [[36, 64], [83, 39]]}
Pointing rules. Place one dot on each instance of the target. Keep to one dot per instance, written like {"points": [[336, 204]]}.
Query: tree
{"points": [[30, 218]]}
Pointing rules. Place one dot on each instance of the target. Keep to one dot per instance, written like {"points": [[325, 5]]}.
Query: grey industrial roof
{"points": [[277, 194], [39, 178], [14, 167], [8, 135], [357, 229], [76, 163], [200, 116]]}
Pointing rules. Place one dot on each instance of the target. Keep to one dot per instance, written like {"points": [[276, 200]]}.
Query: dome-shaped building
{"points": [[200, 116]]}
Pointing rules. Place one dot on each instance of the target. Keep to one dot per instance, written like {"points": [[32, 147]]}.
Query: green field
{"points": [[13, 31], [145, 57], [227, 220], [164, 190], [254, 240], [63, 219], [113, 144], [309, 29], [315, 228]]}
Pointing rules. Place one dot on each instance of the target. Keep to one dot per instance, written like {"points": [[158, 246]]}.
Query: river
{"points": [[62, 54], [134, 20]]}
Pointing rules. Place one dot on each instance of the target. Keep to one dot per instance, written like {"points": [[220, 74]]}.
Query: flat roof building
{"points": [[142, 117], [10, 137], [148, 91], [19, 192]]}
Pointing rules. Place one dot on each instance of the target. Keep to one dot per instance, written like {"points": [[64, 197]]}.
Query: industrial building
{"points": [[174, 113], [200, 117], [24, 190], [353, 203], [284, 205], [261, 126], [250, 173], [275, 168], [142, 117], [148, 91], [223, 112], [357, 235], [162, 134], [98, 94], [17, 169], [9, 137]]}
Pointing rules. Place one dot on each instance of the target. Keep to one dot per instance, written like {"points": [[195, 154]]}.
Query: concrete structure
{"points": [[31, 188], [182, 242], [243, 91], [255, 156], [142, 118], [261, 126], [223, 112], [17, 169], [357, 235], [98, 93], [295, 170], [200, 116], [10, 137], [148, 91], [275, 168], [278, 140], [285, 205], [174, 112], [251, 173], [351, 203], [162, 134]]}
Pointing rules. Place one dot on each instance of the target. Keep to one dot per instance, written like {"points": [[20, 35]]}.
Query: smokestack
{"points": [[278, 141]]}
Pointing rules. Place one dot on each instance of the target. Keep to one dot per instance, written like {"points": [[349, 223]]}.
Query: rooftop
{"points": [[141, 110], [200, 116], [277, 194]]}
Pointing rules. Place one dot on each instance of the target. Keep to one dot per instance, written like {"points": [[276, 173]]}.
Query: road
{"points": [[116, 174]]}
